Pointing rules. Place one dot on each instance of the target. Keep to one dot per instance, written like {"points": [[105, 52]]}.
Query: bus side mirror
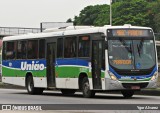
{"points": [[106, 44]]}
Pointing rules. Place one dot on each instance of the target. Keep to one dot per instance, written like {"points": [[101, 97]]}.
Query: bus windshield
{"points": [[131, 54]]}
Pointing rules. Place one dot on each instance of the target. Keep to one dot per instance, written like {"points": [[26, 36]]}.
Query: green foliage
{"points": [[155, 15], [134, 12], [93, 15], [69, 20], [113, 1]]}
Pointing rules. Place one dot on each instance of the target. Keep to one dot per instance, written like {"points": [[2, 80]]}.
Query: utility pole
{"points": [[110, 12]]}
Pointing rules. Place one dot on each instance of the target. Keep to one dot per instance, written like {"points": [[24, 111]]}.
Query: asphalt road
{"points": [[14, 96], [20, 96]]}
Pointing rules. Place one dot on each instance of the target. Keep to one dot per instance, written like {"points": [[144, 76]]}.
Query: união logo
{"points": [[32, 66]]}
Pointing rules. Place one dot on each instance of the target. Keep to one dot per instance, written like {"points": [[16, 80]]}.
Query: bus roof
{"points": [[67, 32]]}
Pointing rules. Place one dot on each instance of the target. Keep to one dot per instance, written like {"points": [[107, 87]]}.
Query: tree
{"points": [[134, 12], [155, 15], [69, 20], [93, 15], [113, 1]]}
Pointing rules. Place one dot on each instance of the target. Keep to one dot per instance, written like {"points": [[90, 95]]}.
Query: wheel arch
{"points": [[80, 79]]}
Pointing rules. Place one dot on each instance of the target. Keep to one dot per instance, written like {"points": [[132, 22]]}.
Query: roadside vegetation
{"points": [[134, 12]]}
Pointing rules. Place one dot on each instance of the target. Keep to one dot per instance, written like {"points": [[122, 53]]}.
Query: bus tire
{"points": [[87, 93], [39, 91], [68, 91], [30, 87], [127, 93]]}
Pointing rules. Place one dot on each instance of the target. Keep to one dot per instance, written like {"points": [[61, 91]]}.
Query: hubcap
{"points": [[30, 85], [86, 88]]}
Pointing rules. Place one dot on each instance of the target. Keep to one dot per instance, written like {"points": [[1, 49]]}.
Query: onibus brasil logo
{"points": [[32, 66]]}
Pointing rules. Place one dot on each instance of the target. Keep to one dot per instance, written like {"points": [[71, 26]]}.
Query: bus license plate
{"points": [[135, 87]]}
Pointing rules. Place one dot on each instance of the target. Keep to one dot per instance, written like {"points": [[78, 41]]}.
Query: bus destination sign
{"points": [[130, 33]]}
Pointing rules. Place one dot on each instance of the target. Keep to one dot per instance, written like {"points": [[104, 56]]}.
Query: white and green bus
{"points": [[89, 59]]}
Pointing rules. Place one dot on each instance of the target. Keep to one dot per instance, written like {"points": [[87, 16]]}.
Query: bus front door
{"points": [[51, 47], [96, 64]]}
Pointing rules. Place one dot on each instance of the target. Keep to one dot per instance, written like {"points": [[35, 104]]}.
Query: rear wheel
{"points": [[30, 86], [128, 93], [68, 91], [87, 93]]}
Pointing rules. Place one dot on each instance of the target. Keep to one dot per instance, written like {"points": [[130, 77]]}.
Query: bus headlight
{"points": [[113, 77], [154, 76]]}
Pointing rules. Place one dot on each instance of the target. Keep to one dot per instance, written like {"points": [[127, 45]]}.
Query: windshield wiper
{"points": [[139, 47], [128, 49]]}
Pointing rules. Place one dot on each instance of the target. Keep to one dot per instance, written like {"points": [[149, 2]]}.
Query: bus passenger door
{"points": [[51, 48], [96, 63]]}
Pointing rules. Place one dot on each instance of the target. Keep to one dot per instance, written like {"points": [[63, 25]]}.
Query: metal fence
{"points": [[6, 31]]}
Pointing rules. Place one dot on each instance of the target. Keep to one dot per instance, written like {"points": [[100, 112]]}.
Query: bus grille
{"points": [[129, 85]]}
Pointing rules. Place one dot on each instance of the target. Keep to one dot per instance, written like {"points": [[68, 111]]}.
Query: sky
{"points": [[30, 13]]}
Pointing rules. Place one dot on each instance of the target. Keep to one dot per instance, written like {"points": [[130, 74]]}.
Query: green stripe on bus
{"points": [[73, 72], [9, 72], [60, 72]]}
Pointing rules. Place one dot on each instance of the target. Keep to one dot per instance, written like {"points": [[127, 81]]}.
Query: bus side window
{"points": [[70, 47], [11, 50], [21, 53], [42, 48], [32, 49], [60, 48], [4, 50], [83, 46]]}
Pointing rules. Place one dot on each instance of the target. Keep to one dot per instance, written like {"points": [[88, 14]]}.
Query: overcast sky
{"points": [[30, 13]]}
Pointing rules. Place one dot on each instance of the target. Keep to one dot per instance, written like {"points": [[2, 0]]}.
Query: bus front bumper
{"points": [[122, 85]]}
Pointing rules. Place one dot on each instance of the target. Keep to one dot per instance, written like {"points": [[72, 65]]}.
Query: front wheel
{"points": [[87, 93], [128, 93], [30, 87]]}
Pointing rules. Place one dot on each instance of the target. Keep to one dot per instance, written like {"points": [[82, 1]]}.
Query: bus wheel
{"points": [[30, 86], [87, 93], [39, 91], [127, 94], [68, 91]]}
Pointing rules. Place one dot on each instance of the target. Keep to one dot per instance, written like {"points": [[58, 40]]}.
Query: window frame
{"points": [[26, 58], [4, 52], [26, 49], [72, 36], [39, 48], [63, 47], [90, 47]]}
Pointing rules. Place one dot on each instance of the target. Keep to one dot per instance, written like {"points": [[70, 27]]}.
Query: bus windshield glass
{"points": [[131, 49], [131, 54]]}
